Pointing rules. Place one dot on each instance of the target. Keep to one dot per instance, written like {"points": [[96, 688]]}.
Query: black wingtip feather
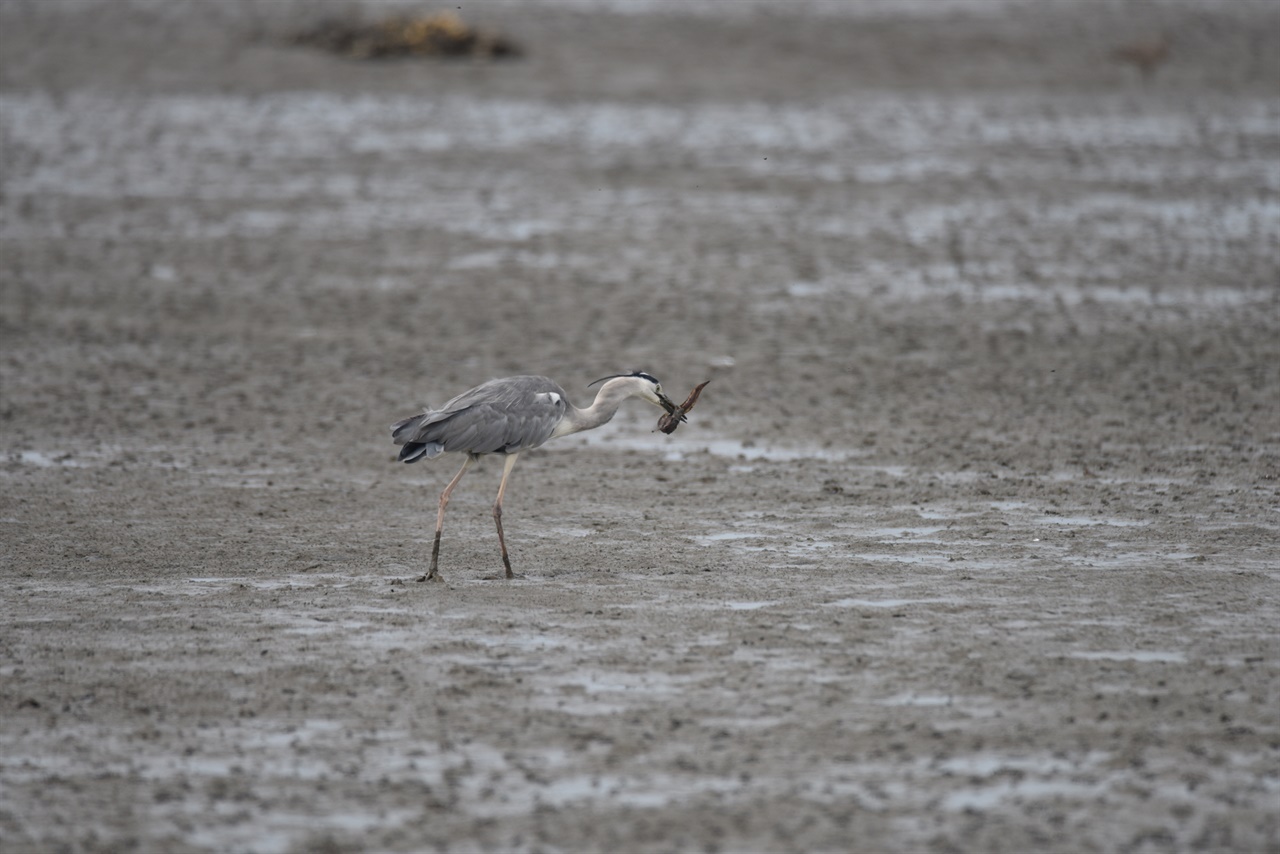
{"points": [[411, 452]]}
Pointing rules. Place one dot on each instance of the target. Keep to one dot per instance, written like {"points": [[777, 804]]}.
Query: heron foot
{"points": [[431, 576]]}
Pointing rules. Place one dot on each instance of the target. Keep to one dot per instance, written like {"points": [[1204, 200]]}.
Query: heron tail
{"points": [[404, 432], [414, 451]]}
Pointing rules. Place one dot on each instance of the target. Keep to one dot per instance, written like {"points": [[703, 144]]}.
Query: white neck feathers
{"points": [[610, 396]]}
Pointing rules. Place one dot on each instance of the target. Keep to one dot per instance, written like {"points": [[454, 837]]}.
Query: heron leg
{"points": [[432, 574], [497, 511]]}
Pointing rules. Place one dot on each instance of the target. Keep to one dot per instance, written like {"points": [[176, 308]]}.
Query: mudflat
{"points": [[971, 543]]}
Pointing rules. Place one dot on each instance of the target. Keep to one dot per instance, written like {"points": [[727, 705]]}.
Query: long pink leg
{"points": [[432, 574], [497, 511]]}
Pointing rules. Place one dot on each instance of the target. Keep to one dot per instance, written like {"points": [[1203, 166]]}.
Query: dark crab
{"points": [[673, 419]]}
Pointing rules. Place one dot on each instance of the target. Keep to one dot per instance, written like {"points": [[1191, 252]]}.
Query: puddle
{"points": [[898, 533], [1084, 521], [310, 579], [676, 450], [558, 532], [1024, 778], [650, 684], [709, 539], [883, 603], [886, 557], [643, 791], [524, 642], [810, 546], [43, 460], [776, 542], [157, 456], [986, 764], [942, 281], [917, 700], [989, 796], [1144, 656]]}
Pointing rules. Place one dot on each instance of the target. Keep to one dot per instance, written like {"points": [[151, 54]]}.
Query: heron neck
{"points": [[603, 408]]}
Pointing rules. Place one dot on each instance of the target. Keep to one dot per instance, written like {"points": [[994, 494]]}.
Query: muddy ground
{"points": [[972, 541]]}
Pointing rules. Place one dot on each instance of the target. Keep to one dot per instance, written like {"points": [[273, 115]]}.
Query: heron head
{"points": [[645, 386]]}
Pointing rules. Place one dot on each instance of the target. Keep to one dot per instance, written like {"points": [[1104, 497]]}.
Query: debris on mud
{"points": [[442, 35], [1146, 55], [668, 423]]}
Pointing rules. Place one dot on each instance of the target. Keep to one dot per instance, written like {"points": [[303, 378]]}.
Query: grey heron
{"points": [[509, 416]]}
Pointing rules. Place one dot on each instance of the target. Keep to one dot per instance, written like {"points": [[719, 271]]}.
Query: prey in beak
{"points": [[676, 414]]}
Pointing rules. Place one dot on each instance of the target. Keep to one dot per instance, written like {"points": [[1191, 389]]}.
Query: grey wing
{"points": [[502, 416], [490, 428]]}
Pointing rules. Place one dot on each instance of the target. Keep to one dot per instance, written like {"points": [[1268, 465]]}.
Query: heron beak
{"points": [[667, 404]]}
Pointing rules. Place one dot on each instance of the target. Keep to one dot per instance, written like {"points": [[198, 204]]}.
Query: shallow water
{"points": [[220, 167]]}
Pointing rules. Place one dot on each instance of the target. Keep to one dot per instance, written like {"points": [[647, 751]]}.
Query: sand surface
{"points": [[971, 544]]}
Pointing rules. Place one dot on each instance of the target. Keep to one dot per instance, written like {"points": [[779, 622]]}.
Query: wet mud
{"points": [[969, 545]]}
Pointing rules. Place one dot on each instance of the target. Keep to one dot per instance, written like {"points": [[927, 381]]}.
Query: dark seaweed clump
{"points": [[442, 34]]}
